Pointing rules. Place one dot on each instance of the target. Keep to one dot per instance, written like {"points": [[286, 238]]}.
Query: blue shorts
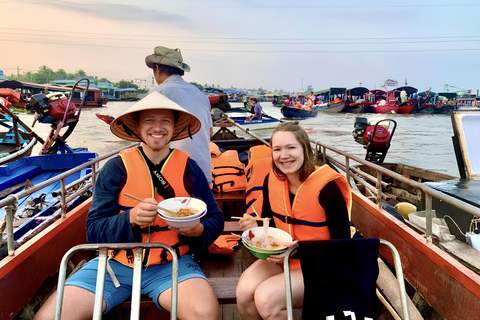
{"points": [[155, 279]]}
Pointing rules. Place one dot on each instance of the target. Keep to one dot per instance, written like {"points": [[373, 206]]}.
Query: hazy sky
{"points": [[274, 44]]}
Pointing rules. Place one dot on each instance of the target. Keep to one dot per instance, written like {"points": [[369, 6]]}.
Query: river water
{"points": [[420, 140]]}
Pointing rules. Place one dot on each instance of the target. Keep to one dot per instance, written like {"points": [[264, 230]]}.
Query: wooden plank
{"points": [[232, 226], [464, 253]]}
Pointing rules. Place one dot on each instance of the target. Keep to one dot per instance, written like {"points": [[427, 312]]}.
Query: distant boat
{"points": [[218, 98], [409, 105], [356, 101], [93, 96], [333, 99], [297, 113], [426, 104]]}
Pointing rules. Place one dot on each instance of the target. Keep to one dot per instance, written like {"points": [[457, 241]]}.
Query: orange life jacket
{"points": [[259, 165], [140, 184], [305, 219], [228, 172]]}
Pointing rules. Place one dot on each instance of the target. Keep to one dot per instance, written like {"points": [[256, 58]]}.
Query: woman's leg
{"points": [[250, 279], [270, 296]]}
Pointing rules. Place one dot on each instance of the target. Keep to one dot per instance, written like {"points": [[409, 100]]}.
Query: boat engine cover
{"points": [[58, 107], [382, 136]]}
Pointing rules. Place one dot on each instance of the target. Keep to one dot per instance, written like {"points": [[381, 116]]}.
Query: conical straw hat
{"points": [[126, 125]]}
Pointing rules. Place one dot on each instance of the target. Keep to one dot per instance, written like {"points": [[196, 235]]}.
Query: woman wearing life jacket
{"points": [[309, 202]]}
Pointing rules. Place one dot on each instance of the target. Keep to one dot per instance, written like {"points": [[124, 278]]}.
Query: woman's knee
{"points": [[245, 290], [268, 300]]}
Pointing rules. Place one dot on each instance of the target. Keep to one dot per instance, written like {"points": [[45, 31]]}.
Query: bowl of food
{"points": [[183, 212], [262, 247]]}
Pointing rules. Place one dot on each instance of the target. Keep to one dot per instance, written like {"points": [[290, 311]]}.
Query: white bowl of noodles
{"points": [[189, 211]]}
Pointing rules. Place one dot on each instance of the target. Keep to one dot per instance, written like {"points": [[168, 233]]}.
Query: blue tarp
{"points": [[234, 91]]}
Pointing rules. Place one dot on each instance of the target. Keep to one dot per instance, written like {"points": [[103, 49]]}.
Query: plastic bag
{"points": [[473, 239]]}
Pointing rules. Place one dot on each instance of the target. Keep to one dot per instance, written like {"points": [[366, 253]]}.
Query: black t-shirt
{"points": [[332, 201]]}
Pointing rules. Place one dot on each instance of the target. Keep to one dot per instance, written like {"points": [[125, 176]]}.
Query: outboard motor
{"points": [[51, 108], [375, 136]]}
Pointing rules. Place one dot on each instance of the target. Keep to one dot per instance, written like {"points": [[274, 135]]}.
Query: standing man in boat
{"points": [[308, 202], [152, 172], [312, 99], [168, 69]]}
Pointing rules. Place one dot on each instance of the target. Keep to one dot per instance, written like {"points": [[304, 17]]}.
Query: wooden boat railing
{"points": [[10, 202], [351, 172]]}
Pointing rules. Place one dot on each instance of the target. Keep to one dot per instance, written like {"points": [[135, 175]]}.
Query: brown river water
{"points": [[420, 140]]}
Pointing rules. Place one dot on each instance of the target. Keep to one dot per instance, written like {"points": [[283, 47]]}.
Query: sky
{"points": [[275, 44]]}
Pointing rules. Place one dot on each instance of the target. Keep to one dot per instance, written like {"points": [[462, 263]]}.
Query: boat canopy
{"points": [[377, 91], [332, 91], [358, 91], [409, 90], [448, 95]]}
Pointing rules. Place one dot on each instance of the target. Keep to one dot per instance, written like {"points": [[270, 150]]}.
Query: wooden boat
{"points": [[333, 99], [296, 113], [18, 175], [93, 96], [18, 140], [435, 274], [426, 104], [356, 101], [411, 102], [386, 105], [239, 115], [218, 98], [447, 285], [11, 95]]}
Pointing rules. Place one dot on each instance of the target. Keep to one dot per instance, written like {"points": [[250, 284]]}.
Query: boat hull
{"points": [[387, 108], [358, 107], [22, 275], [405, 108], [16, 153], [296, 113], [264, 123], [436, 275], [332, 107]]}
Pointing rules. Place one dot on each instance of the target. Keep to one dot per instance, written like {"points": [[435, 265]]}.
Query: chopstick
{"points": [[253, 218], [141, 200]]}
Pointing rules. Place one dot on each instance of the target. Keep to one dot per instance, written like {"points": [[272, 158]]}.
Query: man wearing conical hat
{"points": [[153, 172], [168, 69]]}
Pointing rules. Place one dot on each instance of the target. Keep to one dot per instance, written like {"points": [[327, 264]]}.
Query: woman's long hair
{"points": [[302, 137]]}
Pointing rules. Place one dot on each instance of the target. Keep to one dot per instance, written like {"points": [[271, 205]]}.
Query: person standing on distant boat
{"points": [[312, 99], [257, 110], [245, 101], [308, 202], [168, 69]]}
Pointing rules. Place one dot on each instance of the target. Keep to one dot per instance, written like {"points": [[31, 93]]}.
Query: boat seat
{"points": [[224, 288]]}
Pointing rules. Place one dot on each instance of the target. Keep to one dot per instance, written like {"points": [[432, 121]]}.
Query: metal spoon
{"points": [[247, 240]]}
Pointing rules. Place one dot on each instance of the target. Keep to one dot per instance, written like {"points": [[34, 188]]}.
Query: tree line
{"points": [[45, 74]]}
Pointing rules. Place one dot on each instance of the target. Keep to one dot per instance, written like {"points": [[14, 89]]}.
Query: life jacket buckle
{"points": [[289, 220]]}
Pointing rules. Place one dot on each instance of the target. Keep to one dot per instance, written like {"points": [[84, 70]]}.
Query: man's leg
{"points": [[196, 300], [77, 304]]}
